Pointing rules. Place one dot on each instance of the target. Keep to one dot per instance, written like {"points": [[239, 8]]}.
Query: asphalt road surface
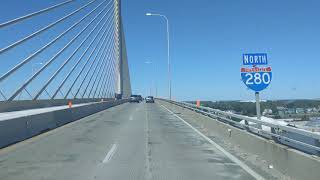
{"points": [[130, 141]]}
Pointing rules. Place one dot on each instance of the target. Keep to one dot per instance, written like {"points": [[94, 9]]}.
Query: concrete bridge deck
{"points": [[129, 141]]}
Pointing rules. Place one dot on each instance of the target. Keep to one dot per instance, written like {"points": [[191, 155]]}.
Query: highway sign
{"points": [[255, 59], [256, 80], [257, 77]]}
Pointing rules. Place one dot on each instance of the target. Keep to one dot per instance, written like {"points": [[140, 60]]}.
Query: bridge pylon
{"points": [[123, 84]]}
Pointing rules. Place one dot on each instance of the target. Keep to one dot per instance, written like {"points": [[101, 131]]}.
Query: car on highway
{"points": [[140, 98], [134, 98], [149, 99]]}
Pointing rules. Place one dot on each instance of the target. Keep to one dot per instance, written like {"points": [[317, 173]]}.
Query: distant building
{"points": [[231, 111], [291, 111], [280, 108], [281, 113], [300, 111], [267, 112], [310, 110], [315, 119]]}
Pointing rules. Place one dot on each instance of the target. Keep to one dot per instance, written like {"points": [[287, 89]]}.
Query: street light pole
{"points": [[168, 45]]}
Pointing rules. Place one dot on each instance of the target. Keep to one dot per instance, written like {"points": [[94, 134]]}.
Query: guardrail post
{"points": [[273, 131], [247, 125], [317, 143]]}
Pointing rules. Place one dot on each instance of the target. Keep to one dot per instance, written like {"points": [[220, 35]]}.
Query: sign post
{"points": [[258, 105], [256, 75]]}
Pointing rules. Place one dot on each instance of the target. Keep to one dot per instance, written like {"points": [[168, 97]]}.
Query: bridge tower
{"points": [[123, 85]]}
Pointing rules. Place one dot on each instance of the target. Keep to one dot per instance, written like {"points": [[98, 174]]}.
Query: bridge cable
{"points": [[13, 21], [111, 74], [100, 58], [44, 29], [106, 41], [4, 97], [105, 80], [74, 67], [105, 60], [29, 58], [103, 77], [74, 52], [93, 63], [47, 64], [105, 69], [107, 83], [83, 67]]}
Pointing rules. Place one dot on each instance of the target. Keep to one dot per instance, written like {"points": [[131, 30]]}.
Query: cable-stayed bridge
{"points": [[64, 111]]}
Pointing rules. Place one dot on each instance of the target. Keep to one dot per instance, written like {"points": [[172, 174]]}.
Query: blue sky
{"points": [[208, 38]]}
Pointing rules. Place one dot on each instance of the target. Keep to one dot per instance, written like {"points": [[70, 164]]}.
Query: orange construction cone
{"points": [[198, 103], [70, 104]]}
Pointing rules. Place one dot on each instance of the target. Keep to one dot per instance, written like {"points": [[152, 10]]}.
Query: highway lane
{"points": [[130, 141]]}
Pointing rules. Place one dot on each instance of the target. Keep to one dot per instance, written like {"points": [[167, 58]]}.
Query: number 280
{"points": [[258, 78]]}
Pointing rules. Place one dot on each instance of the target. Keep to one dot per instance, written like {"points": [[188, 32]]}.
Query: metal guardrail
{"points": [[278, 132]]}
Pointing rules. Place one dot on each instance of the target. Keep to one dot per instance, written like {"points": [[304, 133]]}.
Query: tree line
{"points": [[249, 108]]}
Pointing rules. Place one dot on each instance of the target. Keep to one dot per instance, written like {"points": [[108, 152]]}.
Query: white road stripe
{"points": [[130, 118], [110, 153], [230, 156]]}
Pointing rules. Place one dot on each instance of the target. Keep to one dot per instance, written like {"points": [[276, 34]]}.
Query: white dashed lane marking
{"points": [[110, 154]]}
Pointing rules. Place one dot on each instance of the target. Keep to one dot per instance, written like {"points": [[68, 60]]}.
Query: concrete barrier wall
{"points": [[290, 162], [19, 129], [30, 104]]}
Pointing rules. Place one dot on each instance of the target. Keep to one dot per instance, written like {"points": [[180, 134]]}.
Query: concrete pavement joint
{"points": [[230, 156]]}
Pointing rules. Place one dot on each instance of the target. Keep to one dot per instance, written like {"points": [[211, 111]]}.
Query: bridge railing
{"points": [[300, 139]]}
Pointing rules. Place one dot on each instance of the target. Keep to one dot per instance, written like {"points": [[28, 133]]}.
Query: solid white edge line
{"points": [[110, 153], [230, 156]]}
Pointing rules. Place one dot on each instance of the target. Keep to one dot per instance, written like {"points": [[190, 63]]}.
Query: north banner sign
{"points": [[255, 59]]}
